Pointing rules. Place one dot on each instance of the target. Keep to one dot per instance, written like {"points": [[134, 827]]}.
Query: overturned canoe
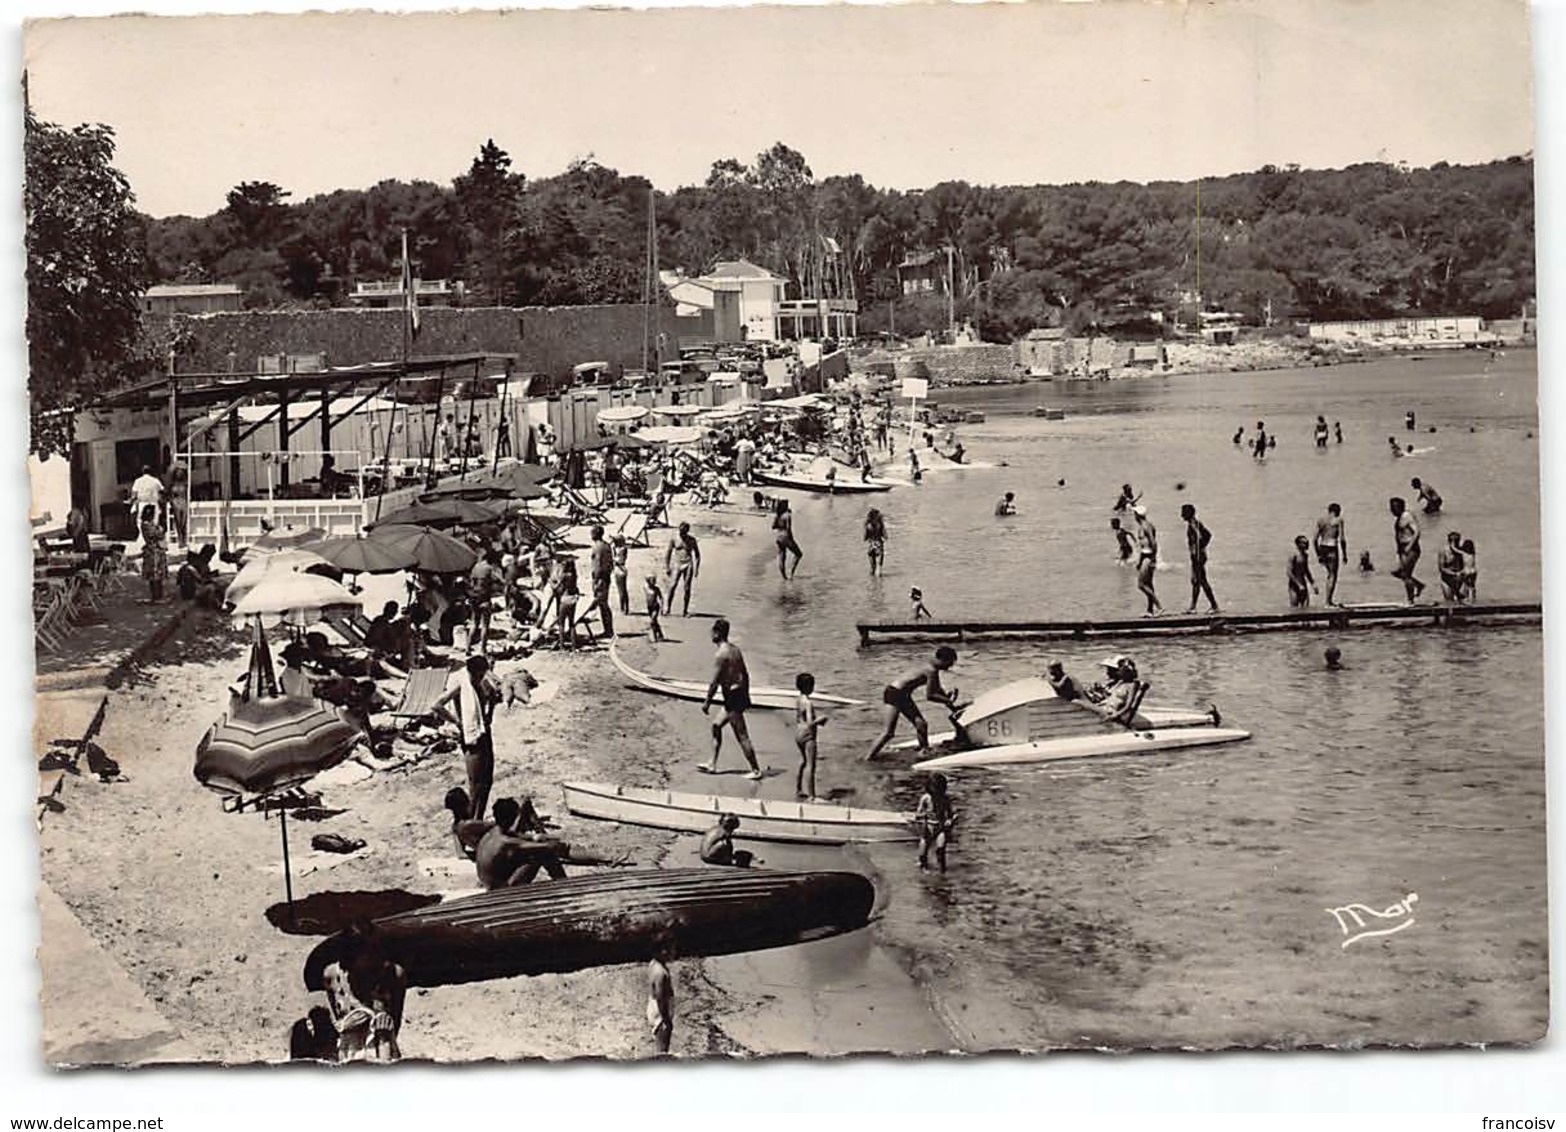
{"points": [[1085, 746], [554, 927], [697, 690], [761, 819]]}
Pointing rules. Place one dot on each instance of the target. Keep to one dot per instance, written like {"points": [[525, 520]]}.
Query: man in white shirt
{"points": [[146, 490], [476, 693]]}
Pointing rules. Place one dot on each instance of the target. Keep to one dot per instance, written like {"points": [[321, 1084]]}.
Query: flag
{"points": [[410, 300]]}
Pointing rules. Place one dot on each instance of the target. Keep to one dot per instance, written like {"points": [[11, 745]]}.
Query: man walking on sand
{"points": [[1331, 548], [1197, 537], [682, 562], [731, 676]]}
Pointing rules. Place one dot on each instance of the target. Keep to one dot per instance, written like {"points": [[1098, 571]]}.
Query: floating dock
{"points": [[1339, 617]]}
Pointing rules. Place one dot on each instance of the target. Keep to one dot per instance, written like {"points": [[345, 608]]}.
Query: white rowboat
{"points": [[761, 819], [821, 486], [782, 698], [1085, 746]]}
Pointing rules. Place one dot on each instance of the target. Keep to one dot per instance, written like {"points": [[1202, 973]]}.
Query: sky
{"points": [[906, 96]]}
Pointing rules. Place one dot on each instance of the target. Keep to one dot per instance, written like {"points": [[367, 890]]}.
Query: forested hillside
{"points": [[1372, 240]]}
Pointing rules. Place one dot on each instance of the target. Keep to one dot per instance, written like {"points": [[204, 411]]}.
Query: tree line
{"points": [[1370, 241]]}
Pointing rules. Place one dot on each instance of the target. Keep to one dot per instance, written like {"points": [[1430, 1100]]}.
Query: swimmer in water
{"points": [[1397, 449], [1366, 566], [1239, 436], [1123, 537], [1006, 506], [1337, 431], [1334, 658]]}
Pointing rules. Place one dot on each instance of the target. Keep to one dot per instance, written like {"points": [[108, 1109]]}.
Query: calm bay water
{"points": [[1184, 898]]}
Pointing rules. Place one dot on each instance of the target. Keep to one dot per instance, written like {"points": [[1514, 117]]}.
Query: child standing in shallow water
{"points": [[806, 724], [935, 819], [916, 599]]}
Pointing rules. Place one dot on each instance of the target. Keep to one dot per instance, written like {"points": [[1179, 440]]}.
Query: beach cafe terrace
{"points": [[239, 439]]}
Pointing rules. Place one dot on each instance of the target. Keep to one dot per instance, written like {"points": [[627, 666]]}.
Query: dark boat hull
{"points": [[556, 927]]}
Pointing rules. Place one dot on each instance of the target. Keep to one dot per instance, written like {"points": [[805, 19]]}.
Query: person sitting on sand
{"points": [[365, 990], [899, 699], [293, 681], [505, 858], [195, 580], [936, 819], [465, 831], [717, 845]]}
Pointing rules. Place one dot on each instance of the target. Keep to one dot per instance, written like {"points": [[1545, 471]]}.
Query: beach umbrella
{"points": [[447, 512], [254, 569], [591, 443], [475, 490], [293, 597], [678, 412], [621, 414], [260, 746], [433, 552], [364, 555], [669, 434]]}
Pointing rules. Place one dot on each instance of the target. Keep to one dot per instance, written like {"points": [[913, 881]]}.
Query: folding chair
{"points": [[633, 528], [424, 687], [346, 628]]}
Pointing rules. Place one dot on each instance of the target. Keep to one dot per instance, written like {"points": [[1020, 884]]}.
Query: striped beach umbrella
{"points": [[263, 745], [260, 746]]}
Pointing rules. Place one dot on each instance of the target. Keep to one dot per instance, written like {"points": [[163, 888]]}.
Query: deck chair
{"points": [[582, 509], [633, 528], [425, 686], [345, 627], [67, 754]]}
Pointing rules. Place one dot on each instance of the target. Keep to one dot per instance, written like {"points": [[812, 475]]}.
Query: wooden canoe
{"points": [[554, 927], [782, 698], [1085, 746], [761, 819]]}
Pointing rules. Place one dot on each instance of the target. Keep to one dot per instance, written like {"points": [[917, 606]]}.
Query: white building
{"points": [[760, 295], [1456, 330]]}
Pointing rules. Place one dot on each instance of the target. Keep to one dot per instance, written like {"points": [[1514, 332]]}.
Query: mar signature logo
{"points": [[1360, 921]]}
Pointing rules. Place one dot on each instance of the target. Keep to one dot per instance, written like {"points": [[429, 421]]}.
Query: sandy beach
{"points": [[185, 896]]}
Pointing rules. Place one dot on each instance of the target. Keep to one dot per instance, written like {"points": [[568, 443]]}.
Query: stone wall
{"points": [[545, 339], [957, 365]]}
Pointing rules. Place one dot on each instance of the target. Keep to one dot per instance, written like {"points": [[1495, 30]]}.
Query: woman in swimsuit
{"points": [[783, 533], [875, 540]]}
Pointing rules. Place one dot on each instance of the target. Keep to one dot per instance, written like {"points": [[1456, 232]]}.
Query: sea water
{"points": [[1187, 897]]}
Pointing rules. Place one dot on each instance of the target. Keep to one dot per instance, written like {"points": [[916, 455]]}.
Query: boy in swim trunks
{"points": [[730, 675], [654, 597], [899, 699], [806, 724], [1331, 547], [935, 819]]}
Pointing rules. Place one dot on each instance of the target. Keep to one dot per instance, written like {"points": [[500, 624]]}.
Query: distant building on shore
{"points": [[428, 292], [922, 273], [192, 298], [1432, 333]]}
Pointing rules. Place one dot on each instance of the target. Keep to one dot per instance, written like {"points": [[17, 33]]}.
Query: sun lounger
{"points": [[425, 686], [346, 628], [633, 528]]}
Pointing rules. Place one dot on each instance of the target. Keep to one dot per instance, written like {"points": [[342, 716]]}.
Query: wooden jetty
{"points": [[1321, 617]]}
